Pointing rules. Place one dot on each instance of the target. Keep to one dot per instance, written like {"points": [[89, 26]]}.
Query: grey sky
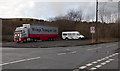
{"points": [[44, 9]]}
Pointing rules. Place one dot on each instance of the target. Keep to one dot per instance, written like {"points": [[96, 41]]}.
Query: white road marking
{"points": [[74, 52], [93, 68], [19, 61], [95, 48], [107, 61], [99, 60], [4, 64], [67, 49], [89, 49], [98, 66], [95, 62], [116, 53], [103, 58], [61, 53], [110, 55], [107, 57], [113, 54], [101, 64], [89, 64], [33, 58], [111, 59], [82, 67]]}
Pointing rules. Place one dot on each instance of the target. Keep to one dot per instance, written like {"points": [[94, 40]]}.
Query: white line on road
{"points": [[103, 58], [66, 53], [98, 66], [61, 53], [82, 67], [95, 48], [89, 64], [97, 61], [23, 60], [17, 61], [107, 61], [4, 64], [110, 45], [93, 68], [103, 63], [33, 58], [74, 52]]}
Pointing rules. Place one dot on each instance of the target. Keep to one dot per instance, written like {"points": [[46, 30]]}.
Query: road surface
{"points": [[76, 58]]}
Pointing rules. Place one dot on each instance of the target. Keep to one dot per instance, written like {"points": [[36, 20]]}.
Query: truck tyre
{"points": [[81, 38], [18, 42], [24, 40], [49, 39], [35, 40], [52, 38]]}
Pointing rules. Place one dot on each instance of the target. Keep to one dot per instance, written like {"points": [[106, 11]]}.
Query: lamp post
{"points": [[96, 11], [96, 20]]}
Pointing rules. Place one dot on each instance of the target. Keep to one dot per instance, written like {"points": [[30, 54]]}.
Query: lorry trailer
{"points": [[33, 32]]}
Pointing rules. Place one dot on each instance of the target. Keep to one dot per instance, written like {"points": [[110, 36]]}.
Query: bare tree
{"points": [[74, 15], [102, 12], [107, 12]]}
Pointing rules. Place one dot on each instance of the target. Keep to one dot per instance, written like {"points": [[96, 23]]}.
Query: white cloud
{"points": [[43, 8], [14, 8]]}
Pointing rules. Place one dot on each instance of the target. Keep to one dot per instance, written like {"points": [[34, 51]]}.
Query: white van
{"points": [[72, 35]]}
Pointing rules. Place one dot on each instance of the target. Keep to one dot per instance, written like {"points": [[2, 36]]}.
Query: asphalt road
{"points": [[88, 57]]}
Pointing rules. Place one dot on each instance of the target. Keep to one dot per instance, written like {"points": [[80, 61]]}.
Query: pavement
{"points": [[71, 58]]}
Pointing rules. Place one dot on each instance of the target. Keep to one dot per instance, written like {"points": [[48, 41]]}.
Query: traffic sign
{"points": [[92, 29]]}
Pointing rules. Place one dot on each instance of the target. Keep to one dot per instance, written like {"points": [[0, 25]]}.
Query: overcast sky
{"points": [[44, 9]]}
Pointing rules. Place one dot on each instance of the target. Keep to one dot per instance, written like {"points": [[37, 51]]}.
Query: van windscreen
{"points": [[64, 34]]}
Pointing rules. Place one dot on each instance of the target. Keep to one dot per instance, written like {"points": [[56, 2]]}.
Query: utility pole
{"points": [[96, 20]]}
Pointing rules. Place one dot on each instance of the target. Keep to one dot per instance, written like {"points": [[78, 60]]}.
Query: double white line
{"points": [[95, 62]]}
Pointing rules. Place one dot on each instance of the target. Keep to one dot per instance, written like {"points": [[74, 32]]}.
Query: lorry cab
{"points": [[20, 34], [72, 35]]}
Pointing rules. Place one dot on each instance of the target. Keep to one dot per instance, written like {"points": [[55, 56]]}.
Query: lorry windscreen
{"points": [[18, 32]]}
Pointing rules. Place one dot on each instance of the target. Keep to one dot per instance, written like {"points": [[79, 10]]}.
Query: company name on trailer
{"points": [[44, 30]]}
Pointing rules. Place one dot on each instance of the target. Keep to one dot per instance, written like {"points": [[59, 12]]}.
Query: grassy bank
{"points": [[105, 40]]}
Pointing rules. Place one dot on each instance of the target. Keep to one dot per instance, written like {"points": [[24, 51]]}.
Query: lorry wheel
{"points": [[49, 39], [81, 38], [25, 40], [18, 42], [52, 39], [35, 40]]}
